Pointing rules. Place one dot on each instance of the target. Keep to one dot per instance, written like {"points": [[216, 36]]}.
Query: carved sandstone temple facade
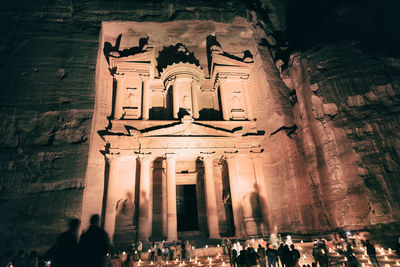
{"points": [[181, 151]]}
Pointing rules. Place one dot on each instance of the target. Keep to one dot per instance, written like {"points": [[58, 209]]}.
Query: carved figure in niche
{"points": [[237, 100], [130, 100], [186, 103], [125, 209]]}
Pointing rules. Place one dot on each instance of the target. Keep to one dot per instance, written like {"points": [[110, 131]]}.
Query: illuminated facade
{"points": [[182, 149]]}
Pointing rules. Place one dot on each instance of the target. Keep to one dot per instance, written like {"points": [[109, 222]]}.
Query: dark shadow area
{"points": [[182, 112], [218, 128], [186, 208], [290, 130], [106, 178], [157, 209], [373, 23], [175, 54], [158, 113], [137, 191], [227, 200], [209, 114]]}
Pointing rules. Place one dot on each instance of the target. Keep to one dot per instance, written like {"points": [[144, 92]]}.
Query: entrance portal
{"points": [[186, 207]]}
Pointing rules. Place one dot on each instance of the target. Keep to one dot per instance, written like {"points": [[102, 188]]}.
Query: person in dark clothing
{"points": [[372, 253], [233, 258], [281, 254], [295, 256], [320, 255], [261, 254], [93, 245], [287, 256], [251, 257], [272, 255], [66, 248], [183, 249], [351, 259], [242, 259]]}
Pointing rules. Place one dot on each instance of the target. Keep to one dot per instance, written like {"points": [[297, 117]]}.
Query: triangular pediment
{"points": [[189, 129]]}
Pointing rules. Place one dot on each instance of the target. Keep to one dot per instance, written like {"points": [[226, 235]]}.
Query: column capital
{"points": [[144, 157], [228, 156], [205, 156], [170, 156], [127, 155], [111, 157], [119, 76], [144, 76]]}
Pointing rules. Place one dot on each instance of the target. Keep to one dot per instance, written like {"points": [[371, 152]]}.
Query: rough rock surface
{"points": [[337, 168]]}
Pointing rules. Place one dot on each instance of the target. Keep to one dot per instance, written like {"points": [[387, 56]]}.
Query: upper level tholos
{"points": [[172, 84]]}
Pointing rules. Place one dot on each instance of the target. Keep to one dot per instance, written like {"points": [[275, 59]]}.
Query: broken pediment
{"points": [[187, 127]]}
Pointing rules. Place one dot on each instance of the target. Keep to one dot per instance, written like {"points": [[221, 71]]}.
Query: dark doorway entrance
{"points": [[186, 207]]}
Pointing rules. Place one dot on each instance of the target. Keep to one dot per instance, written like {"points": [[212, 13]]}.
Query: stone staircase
{"points": [[212, 256], [386, 257]]}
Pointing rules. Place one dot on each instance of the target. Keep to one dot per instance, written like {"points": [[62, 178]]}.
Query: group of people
{"points": [[288, 256], [93, 249]]}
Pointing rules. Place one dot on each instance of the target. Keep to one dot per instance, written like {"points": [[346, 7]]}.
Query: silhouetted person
{"points": [[261, 253], [372, 253], [287, 256], [241, 259], [252, 257], [272, 255], [233, 258], [93, 245], [295, 255], [66, 249], [281, 254]]}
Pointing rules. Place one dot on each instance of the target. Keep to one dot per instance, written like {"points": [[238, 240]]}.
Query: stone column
{"points": [[262, 189], [172, 224], [236, 201], [195, 102], [112, 195], [211, 201], [224, 108], [119, 96], [144, 224], [146, 96], [175, 96]]}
